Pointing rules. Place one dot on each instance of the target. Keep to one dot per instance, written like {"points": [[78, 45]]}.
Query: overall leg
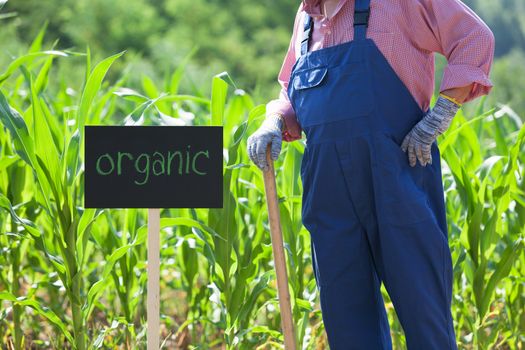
{"points": [[411, 249], [410, 245], [351, 303]]}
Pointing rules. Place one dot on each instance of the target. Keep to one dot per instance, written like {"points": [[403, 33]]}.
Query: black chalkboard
{"points": [[153, 166]]}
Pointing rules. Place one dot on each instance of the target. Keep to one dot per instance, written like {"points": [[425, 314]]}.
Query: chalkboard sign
{"points": [[153, 166]]}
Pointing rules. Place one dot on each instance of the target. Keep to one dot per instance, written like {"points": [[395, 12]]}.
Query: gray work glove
{"points": [[419, 140], [270, 131]]}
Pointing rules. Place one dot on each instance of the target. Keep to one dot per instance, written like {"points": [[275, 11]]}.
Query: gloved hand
{"points": [[419, 140], [270, 131]]}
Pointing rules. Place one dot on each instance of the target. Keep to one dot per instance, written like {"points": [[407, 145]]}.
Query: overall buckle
{"points": [[361, 17]]}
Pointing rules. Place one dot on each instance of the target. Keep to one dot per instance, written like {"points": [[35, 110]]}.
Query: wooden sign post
{"points": [[153, 167], [153, 302]]}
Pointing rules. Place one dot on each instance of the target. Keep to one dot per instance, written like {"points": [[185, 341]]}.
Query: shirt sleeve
{"points": [[282, 105], [452, 29]]}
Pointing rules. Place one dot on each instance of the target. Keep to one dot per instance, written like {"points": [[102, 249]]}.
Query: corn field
{"points": [[75, 278]]}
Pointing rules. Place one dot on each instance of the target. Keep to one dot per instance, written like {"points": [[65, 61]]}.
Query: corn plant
{"points": [[484, 183], [51, 152]]}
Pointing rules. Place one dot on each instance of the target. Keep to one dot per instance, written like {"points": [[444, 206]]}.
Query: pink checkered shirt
{"points": [[408, 33]]}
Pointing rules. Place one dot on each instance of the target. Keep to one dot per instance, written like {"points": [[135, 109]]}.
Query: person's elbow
{"points": [[479, 45], [488, 38]]}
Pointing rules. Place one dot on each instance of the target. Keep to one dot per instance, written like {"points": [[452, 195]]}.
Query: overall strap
{"points": [[307, 33], [361, 15]]}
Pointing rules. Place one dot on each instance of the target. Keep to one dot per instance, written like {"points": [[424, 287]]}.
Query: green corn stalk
{"points": [[484, 233], [56, 170]]}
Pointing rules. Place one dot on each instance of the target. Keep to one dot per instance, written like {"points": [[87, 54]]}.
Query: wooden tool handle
{"points": [[278, 254]]}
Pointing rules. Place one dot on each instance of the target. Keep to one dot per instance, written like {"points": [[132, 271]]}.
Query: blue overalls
{"points": [[372, 217]]}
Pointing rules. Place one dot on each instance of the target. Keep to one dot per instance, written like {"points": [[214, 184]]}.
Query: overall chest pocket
{"points": [[326, 94]]}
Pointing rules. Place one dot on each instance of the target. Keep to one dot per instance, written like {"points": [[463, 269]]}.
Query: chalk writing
{"points": [[157, 163]]}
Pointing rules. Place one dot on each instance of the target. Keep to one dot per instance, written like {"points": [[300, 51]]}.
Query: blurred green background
{"points": [[246, 38]]}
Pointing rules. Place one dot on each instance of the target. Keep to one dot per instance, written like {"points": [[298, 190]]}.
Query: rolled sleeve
{"points": [[458, 33], [458, 75], [470, 62], [282, 104]]}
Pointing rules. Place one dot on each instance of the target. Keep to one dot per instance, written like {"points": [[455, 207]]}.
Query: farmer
{"points": [[357, 79]]}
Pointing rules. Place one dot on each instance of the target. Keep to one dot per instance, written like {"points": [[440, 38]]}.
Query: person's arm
{"points": [[281, 106], [452, 29]]}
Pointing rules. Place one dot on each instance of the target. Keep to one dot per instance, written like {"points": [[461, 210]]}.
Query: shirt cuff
{"points": [[458, 75]]}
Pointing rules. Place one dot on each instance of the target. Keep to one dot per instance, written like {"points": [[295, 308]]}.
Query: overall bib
{"points": [[372, 217]]}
